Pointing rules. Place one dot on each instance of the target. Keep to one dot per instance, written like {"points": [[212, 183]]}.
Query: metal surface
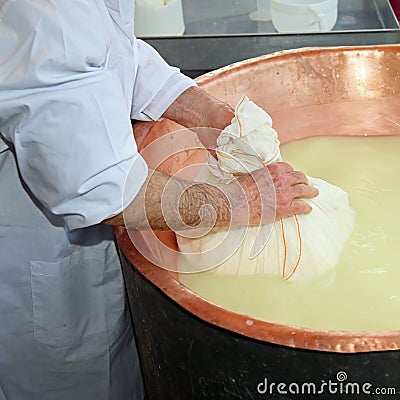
{"points": [[223, 17], [198, 55], [217, 37], [330, 91]]}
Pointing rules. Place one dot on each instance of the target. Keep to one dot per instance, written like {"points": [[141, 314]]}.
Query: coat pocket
{"points": [[68, 298]]}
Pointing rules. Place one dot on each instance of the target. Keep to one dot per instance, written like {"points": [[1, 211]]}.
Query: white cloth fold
{"points": [[298, 247]]}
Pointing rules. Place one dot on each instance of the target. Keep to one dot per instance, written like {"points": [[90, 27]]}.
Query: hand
{"points": [[277, 196]]}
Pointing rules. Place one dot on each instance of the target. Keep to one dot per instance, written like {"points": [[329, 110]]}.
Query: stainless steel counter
{"points": [[221, 17], [218, 33]]}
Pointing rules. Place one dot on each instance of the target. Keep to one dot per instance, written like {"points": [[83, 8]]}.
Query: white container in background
{"points": [[159, 18], [263, 11], [294, 16]]}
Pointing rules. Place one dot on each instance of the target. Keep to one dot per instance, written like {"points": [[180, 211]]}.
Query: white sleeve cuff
{"points": [[157, 84]]}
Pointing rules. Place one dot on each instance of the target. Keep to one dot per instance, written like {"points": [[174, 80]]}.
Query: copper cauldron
{"points": [[198, 350]]}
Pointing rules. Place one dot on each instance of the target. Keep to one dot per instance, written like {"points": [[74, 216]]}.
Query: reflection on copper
{"points": [[348, 91]]}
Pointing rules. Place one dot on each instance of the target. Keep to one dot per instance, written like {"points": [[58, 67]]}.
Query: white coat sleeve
{"points": [[64, 113], [157, 84]]}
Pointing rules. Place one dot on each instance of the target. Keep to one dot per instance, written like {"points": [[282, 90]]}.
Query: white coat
{"points": [[71, 77]]}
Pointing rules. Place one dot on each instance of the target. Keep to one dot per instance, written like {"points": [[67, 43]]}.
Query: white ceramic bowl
{"points": [[294, 16]]}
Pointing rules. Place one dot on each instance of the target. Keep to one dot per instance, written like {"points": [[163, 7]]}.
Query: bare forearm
{"points": [[167, 203], [196, 108], [170, 203]]}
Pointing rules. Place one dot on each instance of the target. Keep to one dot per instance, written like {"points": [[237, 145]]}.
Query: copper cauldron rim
{"points": [[220, 72]]}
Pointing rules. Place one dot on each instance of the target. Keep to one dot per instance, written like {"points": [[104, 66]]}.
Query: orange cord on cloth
{"points": [[286, 278]]}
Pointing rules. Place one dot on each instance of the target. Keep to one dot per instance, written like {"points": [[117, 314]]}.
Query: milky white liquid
{"points": [[363, 292]]}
